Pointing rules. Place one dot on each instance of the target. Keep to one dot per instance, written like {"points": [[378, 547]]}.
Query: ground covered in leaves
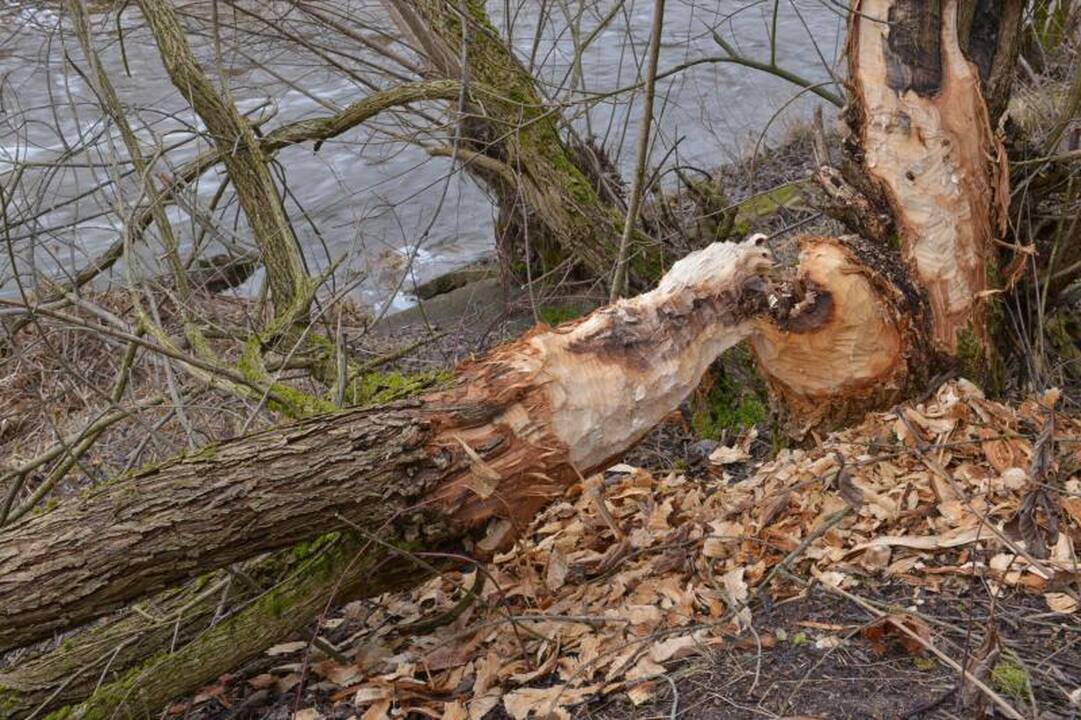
{"points": [[922, 564]]}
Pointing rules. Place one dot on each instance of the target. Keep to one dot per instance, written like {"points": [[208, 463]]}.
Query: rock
{"points": [[455, 279]]}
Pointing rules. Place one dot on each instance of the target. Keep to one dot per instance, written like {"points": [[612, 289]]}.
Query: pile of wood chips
{"points": [[632, 572]]}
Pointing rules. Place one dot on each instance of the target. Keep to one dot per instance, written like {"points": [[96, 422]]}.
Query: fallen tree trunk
{"points": [[138, 669], [180, 640], [513, 431]]}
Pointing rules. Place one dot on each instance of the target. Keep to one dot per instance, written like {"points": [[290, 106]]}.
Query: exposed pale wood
{"points": [[925, 174], [851, 341], [926, 138]]}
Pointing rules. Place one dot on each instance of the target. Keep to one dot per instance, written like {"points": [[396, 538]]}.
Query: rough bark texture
{"points": [[173, 522], [516, 428], [71, 670], [179, 641], [342, 569], [991, 38]]}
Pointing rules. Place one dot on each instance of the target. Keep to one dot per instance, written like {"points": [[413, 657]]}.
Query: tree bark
{"points": [[990, 34], [179, 640], [515, 429], [136, 667]]}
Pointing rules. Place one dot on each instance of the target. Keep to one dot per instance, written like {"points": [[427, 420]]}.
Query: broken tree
{"points": [[506, 438], [925, 186]]}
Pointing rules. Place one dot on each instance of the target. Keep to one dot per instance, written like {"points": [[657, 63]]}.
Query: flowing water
{"points": [[371, 200]]}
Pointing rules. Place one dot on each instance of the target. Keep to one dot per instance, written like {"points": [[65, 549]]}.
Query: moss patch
{"points": [[723, 404], [1010, 679], [373, 388], [553, 315]]}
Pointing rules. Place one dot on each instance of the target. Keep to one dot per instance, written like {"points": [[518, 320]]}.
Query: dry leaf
{"points": [[479, 707], [455, 710], [308, 714], [1061, 602], [260, 682], [379, 710], [643, 614], [338, 674], [286, 648], [728, 455], [673, 648], [556, 574], [541, 702], [371, 694], [642, 692], [884, 634], [644, 669]]}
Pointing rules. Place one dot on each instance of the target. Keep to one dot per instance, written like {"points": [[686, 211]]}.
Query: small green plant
{"points": [[726, 406], [1051, 20], [1010, 679], [924, 664]]}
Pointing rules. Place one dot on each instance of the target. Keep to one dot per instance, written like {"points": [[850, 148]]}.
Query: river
{"points": [[371, 199]]}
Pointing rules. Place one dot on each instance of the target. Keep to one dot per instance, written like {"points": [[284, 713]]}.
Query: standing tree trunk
{"points": [[244, 160], [514, 126], [926, 185]]}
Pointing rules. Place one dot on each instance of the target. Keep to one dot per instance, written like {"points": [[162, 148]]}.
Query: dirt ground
{"points": [[853, 680]]}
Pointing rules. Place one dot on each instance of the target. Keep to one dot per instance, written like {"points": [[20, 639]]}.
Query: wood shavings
{"points": [[613, 585]]}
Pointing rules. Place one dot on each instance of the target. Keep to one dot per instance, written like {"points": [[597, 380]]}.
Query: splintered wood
{"points": [[632, 571]]}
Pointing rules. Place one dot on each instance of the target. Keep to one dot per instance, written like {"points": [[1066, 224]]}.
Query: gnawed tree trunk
{"points": [[856, 336], [515, 429], [927, 142], [926, 184]]}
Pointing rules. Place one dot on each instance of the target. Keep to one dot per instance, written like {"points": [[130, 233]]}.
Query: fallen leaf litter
{"points": [[632, 572]]}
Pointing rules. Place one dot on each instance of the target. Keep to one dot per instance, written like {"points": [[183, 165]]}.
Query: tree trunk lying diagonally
{"points": [[513, 432]]}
